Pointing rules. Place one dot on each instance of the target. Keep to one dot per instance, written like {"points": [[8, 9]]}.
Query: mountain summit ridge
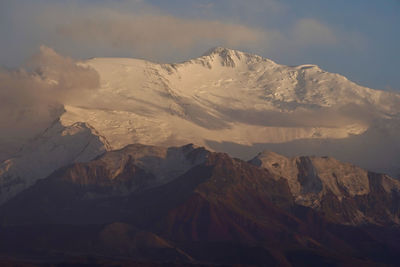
{"points": [[230, 57]]}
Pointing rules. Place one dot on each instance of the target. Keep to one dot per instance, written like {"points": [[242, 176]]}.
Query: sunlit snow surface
{"points": [[225, 96]]}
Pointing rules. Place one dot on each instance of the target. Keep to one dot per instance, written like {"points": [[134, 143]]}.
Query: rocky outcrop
{"points": [[341, 190]]}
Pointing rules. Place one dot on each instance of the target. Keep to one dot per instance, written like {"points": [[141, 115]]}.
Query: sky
{"points": [[359, 39]]}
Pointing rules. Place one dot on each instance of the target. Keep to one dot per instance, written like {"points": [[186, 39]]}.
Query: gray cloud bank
{"points": [[32, 98], [157, 34]]}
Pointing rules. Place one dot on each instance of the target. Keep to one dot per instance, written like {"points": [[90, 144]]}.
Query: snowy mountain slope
{"points": [[56, 147], [227, 96]]}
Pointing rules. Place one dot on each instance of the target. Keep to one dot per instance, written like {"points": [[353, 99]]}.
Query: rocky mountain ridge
{"points": [[345, 193], [323, 183], [218, 210]]}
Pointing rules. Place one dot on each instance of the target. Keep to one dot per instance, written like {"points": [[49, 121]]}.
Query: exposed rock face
{"points": [[133, 168], [308, 178], [165, 164], [343, 189]]}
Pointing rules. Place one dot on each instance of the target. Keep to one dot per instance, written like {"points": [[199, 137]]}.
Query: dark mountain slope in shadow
{"points": [[221, 211]]}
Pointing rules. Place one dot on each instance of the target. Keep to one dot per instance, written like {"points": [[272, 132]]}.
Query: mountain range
{"points": [[227, 101], [188, 205], [115, 179]]}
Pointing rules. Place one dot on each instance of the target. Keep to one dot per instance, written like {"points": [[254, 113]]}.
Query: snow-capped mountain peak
{"points": [[228, 96], [220, 56]]}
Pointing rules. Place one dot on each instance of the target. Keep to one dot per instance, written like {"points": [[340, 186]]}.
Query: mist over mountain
{"points": [[33, 97]]}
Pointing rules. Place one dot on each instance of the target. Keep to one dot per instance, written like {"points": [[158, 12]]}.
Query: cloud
{"points": [[311, 40], [206, 6], [136, 29], [169, 33], [312, 32], [249, 8], [269, 7], [153, 35], [32, 98], [61, 75]]}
